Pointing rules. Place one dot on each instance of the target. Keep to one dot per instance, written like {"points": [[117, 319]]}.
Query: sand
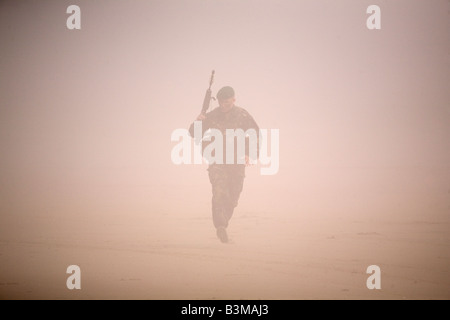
{"points": [[143, 251]]}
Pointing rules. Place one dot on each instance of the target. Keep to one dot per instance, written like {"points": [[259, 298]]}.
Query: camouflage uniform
{"points": [[226, 179]]}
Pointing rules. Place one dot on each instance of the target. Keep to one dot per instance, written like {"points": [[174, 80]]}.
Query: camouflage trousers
{"points": [[227, 182]]}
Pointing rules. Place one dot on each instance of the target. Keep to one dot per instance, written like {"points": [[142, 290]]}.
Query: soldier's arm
{"points": [[205, 119], [250, 123]]}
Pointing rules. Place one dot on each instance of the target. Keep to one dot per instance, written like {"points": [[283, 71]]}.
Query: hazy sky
{"points": [[87, 114]]}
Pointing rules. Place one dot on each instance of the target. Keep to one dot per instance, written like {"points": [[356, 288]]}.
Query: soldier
{"points": [[226, 179]]}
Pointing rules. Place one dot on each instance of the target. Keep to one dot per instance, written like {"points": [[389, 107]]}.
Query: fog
{"points": [[86, 118]]}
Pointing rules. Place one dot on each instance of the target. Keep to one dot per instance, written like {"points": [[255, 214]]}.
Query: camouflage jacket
{"points": [[236, 118]]}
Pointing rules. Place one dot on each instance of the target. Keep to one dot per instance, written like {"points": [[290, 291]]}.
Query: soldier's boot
{"points": [[222, 234]]}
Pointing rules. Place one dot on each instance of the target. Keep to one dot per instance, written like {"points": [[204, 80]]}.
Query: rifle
{"points": [[208, 97]]}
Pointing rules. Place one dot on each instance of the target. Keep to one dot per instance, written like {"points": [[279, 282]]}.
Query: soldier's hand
{"points": [[248, 162], [201, 117]]}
